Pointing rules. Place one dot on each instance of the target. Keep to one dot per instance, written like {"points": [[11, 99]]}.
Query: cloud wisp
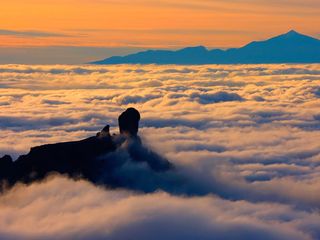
{"points": [[30, 33]]}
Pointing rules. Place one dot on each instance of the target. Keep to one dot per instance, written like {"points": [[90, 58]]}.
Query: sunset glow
{"points": [[157, 24]]}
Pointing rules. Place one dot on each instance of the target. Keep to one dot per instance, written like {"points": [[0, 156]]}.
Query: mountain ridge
{"points": [[291, 47]]}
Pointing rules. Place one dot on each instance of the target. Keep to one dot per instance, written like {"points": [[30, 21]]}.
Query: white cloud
{"points": [[79, 210], [258, 144]]}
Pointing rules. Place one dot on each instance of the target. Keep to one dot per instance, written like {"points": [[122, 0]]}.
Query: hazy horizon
{"points": [[45, 30], [74, 55]]}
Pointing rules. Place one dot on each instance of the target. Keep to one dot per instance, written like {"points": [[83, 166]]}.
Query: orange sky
{"points": [[152, 23]]}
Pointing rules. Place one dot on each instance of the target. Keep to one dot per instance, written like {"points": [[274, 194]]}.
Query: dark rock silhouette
{"points": [[6, 166], [105, 132], [96, 159], [129, 122], [291, 47]]}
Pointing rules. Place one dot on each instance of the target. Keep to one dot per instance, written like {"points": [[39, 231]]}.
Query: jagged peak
{"points": [[292, 33]]}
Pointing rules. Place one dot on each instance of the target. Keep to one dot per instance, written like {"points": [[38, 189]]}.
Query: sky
{"points": [[244, 140], [86, 30]]}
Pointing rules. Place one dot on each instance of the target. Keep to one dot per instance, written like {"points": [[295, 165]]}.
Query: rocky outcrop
{"points": [[96, 158], [129, 122]]}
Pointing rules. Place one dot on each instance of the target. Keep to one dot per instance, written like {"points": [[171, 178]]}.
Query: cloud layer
{"points": [[79, 210], [245, 140]]}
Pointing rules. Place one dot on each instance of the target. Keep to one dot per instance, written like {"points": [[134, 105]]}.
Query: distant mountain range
{"points": [[291, 47]]}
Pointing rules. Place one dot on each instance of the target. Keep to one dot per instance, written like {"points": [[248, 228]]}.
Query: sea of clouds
{"points": [[245, 140]]}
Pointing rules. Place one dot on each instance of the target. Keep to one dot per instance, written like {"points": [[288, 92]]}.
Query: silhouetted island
{"points": [[291, 47], [98, 159]]}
